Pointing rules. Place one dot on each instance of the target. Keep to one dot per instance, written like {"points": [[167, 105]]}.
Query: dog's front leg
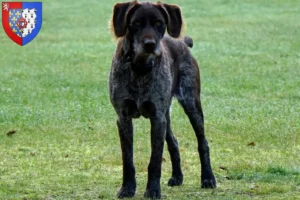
{"points": [[126, 138], [158, 133]]}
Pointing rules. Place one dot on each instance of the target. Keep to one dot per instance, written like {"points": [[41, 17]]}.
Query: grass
{"points": [[53, 93]]}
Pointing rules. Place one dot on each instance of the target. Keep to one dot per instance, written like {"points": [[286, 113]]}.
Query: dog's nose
{"points": [[149, 45]]}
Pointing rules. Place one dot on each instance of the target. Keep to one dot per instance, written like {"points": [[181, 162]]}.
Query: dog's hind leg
{"points": [[189, 97], [192, 108], [177, 176], [126, 138]]}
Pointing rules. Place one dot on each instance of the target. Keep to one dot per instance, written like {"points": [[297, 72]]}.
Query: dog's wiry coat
{"points": [[148, 69]]}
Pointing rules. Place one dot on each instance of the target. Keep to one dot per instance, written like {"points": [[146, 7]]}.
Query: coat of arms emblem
{"points": [[22, 21]]}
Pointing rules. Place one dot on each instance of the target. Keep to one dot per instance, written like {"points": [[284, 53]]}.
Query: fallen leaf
{"points": [[164, 160], [223, 168], [251, 144], [10, 133], [32, 153]]}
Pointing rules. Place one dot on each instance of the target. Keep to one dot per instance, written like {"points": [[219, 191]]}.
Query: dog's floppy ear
{"points": [[119, 18], [174, 19]]}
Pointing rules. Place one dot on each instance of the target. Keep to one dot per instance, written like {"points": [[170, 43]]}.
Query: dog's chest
{"points": [[154, 88], [147, 87]]}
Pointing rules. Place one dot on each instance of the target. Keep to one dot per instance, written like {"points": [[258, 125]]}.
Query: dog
{"points": [[148, 69]]}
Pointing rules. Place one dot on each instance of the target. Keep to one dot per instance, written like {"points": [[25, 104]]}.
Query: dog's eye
{"points": [[158, 23], [136, 24]]}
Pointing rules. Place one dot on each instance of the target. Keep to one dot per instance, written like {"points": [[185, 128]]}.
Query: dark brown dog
{"points": [[147, 70]]}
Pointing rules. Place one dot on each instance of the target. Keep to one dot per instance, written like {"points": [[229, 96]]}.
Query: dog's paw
{"points": [[152, 193], [175, 181], [153, 189], [126, 191], [209, 182]]}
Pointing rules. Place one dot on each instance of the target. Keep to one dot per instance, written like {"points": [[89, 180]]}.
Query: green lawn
{"points": [[54, 93]]}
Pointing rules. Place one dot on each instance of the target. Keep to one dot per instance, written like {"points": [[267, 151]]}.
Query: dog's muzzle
{"points": [[149, 45]]}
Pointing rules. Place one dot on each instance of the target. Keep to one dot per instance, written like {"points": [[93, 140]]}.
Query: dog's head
{"points": [[144, 25]]}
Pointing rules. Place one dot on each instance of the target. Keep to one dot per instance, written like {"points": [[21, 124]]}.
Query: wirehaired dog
{"points": [[148, 69]]}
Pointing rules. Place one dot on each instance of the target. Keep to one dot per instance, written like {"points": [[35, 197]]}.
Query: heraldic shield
{"points": [[22, 21]]}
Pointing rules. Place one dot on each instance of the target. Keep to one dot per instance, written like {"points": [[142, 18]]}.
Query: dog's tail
{"points": [[188, 41]]}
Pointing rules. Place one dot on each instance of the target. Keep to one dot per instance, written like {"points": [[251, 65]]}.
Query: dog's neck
{"points": [[142, 64]]}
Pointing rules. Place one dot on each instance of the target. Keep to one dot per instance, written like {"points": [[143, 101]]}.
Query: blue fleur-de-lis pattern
{"points": [[14, 16]]}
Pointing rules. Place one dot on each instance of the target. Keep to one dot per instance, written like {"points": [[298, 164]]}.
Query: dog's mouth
{"points": [[153, 51]]}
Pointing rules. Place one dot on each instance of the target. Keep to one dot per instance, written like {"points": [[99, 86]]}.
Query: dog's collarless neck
{"points": [[144, 68]]}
